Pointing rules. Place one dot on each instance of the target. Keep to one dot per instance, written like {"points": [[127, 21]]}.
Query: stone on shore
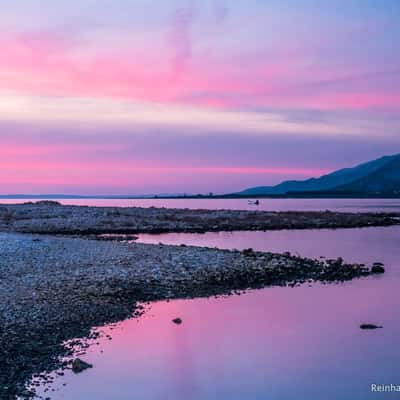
{"points": [[79, 366]]}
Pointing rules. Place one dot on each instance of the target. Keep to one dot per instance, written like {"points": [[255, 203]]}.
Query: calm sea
{"points": [[356, 205]]}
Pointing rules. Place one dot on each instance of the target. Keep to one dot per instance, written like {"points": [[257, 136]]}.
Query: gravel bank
{"points": [[57, 288], [52, 218]]}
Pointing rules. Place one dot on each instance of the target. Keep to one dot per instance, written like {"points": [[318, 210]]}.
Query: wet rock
{"points": [[79, 366], [177, 321], [377, 268], [370, 326]]}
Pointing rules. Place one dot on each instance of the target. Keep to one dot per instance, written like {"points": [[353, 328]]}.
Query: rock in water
{"points": [[177, 321], [78, 365], [377, 268], [370, 326]]}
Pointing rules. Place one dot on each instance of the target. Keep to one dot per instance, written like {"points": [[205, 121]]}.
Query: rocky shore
{"points": [[57, 288], [53, 218]]}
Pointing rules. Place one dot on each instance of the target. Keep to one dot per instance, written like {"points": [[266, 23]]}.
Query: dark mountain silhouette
{"points": [[384, 180], [378, 176]]}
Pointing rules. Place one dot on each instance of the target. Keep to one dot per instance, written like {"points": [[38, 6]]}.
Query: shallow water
{"points": [[275, 343], [349, 205]]}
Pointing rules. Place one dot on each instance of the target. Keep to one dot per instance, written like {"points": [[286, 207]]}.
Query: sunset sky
{"points": [[139, 96]]}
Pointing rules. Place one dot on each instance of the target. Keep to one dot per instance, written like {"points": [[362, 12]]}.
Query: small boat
{"points": [[254, 202]]}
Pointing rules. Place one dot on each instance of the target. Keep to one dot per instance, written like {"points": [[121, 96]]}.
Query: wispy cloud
{"points": [[124, 113], [53, 64], [180, 39], [188, 80]]}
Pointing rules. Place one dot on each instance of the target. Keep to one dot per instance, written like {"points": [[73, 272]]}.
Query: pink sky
{"points": [[192, 96]]}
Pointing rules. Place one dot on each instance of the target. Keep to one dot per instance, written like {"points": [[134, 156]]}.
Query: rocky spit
{"points": [[53, 218], [56, 288]]}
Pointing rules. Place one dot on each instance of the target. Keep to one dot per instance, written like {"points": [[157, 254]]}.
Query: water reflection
{"points": [[275, 343], [343, 205]]}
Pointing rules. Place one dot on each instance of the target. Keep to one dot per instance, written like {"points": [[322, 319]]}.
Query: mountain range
{"points": [[373, 178]]}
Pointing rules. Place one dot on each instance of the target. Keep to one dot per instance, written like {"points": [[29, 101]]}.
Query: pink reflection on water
{"points": [[277, 343], [354, 245]]}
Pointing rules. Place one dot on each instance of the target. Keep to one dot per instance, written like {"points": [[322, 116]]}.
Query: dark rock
{"points": [[377, 269], [370, 326], [79, 366], [47, 203], [177, 321], [248, 252]]}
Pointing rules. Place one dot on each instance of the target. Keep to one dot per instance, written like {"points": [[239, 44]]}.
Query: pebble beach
{"points": [[55, 288]]}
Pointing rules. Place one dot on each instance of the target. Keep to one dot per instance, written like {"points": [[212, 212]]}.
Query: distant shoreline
{"points": [[205, 197]]}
